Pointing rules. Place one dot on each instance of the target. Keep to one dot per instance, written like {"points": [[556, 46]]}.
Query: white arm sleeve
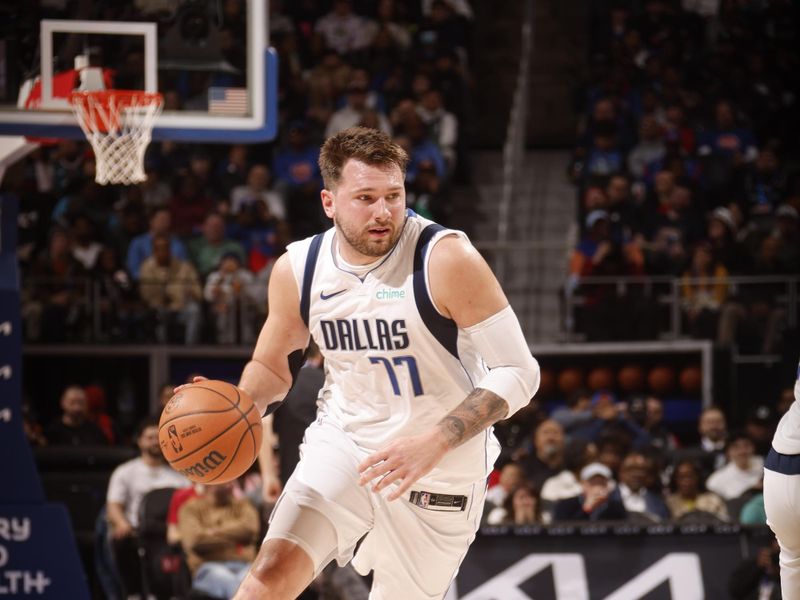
{"points": [[514, 374]]}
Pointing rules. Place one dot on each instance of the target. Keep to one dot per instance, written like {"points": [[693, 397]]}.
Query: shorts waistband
{"points": [[787, 464]]}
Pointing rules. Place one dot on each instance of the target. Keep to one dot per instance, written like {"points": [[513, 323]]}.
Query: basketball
{"points": [[210, 432], [601, 378], [631, 379], [661, 379], [690, 380], [569, 380]]}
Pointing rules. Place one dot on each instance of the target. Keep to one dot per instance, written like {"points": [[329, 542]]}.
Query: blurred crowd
{"points": [[592, 458], [686, 165], [185, 256]]}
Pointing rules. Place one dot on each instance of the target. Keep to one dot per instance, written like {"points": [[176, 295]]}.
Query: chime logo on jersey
{"points": [[389, 294], [364, 334]]}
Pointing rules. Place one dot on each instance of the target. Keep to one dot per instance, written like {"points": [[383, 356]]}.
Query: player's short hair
{"points": [[147, 422], [369, 146]]}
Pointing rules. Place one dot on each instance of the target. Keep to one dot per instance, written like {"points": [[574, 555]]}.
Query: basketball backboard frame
{"points": [[56, 120]]}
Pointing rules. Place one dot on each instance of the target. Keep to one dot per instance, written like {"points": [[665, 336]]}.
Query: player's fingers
{"points": [[372, 460], [378, 470], [388, 479], [198, 378], [400, 491]]}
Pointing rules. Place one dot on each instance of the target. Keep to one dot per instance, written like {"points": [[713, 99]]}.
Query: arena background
{"points": [[628, 168]]}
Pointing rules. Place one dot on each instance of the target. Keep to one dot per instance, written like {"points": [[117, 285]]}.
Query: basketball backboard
{"points": [[209, 58]]}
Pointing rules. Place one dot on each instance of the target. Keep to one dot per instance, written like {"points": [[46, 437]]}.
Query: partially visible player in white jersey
{"points": [[782, 494], [423, 355]]}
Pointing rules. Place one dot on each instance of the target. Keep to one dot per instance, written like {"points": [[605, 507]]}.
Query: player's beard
{"points": [[359, 240]]}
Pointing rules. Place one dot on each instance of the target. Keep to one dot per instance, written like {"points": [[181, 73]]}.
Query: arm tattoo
{"points": [[478, 411]]}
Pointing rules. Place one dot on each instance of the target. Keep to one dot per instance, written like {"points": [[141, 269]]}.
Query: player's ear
{"points": [[327, 203]]}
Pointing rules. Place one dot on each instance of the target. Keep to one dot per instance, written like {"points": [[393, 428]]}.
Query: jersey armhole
{"points": [[427, 259]]}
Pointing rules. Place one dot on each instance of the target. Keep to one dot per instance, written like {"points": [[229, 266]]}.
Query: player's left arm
{"points": [[465, 290]]}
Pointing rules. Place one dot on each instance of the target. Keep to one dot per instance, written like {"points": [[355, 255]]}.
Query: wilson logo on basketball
{"points": [[205, 466]]}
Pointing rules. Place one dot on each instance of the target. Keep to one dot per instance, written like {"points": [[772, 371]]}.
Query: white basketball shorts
{"points": [[414, 545]]}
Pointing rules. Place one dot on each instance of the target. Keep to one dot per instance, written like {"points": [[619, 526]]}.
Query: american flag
{"points": [[228, 101]]}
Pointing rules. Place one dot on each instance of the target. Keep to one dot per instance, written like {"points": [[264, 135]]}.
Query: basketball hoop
{"points": [[118, 125]]}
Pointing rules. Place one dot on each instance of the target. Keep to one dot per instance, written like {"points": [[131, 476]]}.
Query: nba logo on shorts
{"points": [[173, 437], [424, 499]]}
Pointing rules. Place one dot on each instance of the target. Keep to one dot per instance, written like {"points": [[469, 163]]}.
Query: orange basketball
{"points": [[631, 379], [569, 380], [691, 380], [600, 378], [210, 432], [547, 383], [661, 379]]}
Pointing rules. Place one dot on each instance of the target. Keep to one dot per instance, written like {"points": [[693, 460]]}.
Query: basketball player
{"points": [[423, 354], [782, 494]]}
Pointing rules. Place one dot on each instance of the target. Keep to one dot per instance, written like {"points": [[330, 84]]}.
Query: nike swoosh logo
{"points": [[324, 296]]}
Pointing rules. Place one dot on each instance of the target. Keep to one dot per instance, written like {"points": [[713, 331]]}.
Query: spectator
{"points": [[171, 289], [298, 177], [141, 247], [51, 305], [565, 484], [342, 30], [704, 288], [74, 428], [713, 429], [760, 427], [98, 412], [129, 483], [441, 123], [425, 195], [178, 499], [116, 301], [743, 471], [757, 578], [660, 436], [649, 149], [189, 206], [576, 412], [609, 416], [350, 115], [597, 255], [387, 23], [511, 476], [688, 494], [228, 292], [218, 532], [753, 511], [85, 248], [595, 502], [632, 492], [547, 458], [421, 149], [521, 507], [257, 189], [207, 249]]}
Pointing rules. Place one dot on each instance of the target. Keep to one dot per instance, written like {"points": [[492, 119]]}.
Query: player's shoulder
{"points": [[454, 253]]}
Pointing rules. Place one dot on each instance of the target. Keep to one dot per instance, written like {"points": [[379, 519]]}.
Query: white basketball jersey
{"points": [[787, 435], [394, 365]]}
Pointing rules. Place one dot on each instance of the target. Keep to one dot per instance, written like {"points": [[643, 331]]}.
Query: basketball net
{"points": [[119, 126]]}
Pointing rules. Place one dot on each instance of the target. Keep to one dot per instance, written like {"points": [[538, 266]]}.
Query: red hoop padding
{"points": [[103, 107]]}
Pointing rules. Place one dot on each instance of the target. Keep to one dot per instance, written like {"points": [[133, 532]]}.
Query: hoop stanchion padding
{"points": [[119, 126]]}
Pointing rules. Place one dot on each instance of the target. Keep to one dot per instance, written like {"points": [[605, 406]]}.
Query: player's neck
{"points": [[351, 259]]}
